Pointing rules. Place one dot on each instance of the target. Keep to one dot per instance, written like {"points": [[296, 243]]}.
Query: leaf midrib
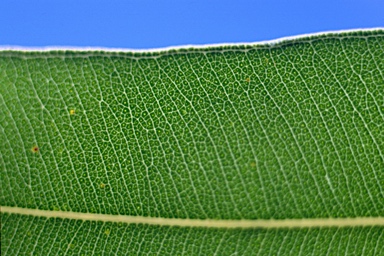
{"points": [[207, 223]]}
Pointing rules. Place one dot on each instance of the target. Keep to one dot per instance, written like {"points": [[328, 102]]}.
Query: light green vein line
{"points": [[272, 223]]}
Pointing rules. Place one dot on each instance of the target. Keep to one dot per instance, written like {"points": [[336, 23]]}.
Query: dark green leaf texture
{"points": [[291, 130]]}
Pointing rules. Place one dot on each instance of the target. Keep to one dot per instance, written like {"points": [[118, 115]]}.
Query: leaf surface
{"points": [[278, 131]]}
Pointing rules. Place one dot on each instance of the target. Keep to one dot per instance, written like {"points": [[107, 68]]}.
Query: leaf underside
{"points": [[292, 130]]}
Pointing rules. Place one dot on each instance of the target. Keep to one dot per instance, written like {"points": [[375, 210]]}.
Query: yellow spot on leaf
{"points": [[35, 149], [107, 232], [248, 80], [72, 112], [102, 185]]}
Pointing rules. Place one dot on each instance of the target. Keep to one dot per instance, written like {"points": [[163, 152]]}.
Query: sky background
{"points": [[144, 24]]}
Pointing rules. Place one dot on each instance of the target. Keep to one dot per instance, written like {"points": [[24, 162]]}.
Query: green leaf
{"points": [[273, 148]]}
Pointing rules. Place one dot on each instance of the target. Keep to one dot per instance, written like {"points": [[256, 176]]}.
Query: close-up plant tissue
{"points": [[191, 128]]}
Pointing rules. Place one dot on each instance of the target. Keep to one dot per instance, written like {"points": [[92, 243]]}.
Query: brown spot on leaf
{"points": [[35, 149]]}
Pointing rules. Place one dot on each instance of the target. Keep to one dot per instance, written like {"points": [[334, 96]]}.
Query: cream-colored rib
{"points": [[272, 223]]}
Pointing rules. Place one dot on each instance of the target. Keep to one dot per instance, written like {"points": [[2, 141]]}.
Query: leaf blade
{"points": [[285, 131]]}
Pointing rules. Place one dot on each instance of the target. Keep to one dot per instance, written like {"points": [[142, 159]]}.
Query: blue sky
{"points": [[143, 24]]}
